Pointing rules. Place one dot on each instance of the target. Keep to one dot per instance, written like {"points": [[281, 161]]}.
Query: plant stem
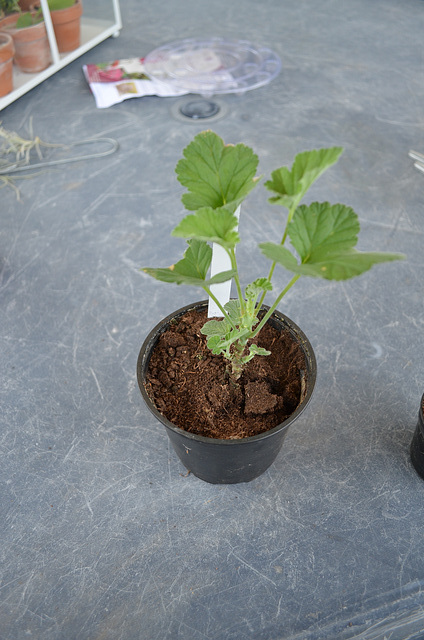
{"points": [[233, 259], [275, 305], [289, 219], [219, 305], [271, 271]]}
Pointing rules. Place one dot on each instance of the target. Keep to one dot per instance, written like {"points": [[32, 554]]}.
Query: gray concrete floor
{"points": [[102, 534]]}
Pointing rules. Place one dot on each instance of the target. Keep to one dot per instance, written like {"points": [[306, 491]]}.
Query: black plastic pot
{"points": [[417, 444], [227, 461]]}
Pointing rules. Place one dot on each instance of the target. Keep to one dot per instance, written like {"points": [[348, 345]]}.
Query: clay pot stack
{"points": [[28, 47]]}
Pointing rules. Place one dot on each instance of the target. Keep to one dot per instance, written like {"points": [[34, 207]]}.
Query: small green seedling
{"points": [[28, 19], [218, 178], [8, 6], [57, 5]]}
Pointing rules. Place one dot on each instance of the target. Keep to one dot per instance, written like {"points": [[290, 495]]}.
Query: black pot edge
{"points": [[417, 443], [143, 361]]}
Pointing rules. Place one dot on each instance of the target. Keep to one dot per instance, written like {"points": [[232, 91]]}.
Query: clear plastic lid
{"points": [[213, 66]]}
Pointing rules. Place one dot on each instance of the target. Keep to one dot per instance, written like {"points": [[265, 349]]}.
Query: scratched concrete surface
{"points": [[102, 535]]}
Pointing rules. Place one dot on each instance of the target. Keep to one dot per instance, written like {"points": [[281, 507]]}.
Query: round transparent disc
{"points": [[213, 66]]}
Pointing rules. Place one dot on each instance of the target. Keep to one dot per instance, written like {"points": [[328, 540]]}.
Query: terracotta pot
{"points": [[32, 49], [7, 50], [67, 27], [227, 461]]}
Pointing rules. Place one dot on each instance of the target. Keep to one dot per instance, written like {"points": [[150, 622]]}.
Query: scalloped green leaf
{"points": [[290, 185], [254, 350], [214, 344], [324, 236], [232, 307], [338, 266], [346, 265], [320, 228], [210, 225], [215, 328], [216, 174], [257, 287], [192, 268]]}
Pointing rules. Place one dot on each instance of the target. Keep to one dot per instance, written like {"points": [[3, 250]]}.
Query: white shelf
{"points": [[93, 31]]}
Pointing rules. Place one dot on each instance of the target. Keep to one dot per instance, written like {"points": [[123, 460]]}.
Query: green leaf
{"points": [[223, 276], [55, 5], [216, 174], [192, 269], [28, 19], [321, 228], [232, 307], [291, 185], [215, 328], [254, 350], [338, 266], [210, 225], [236, 335], [324, 236], [279, 254], [197, 259], [9, 6], [24, 20], [251, 292], [257, 287], [347, 264], [214, 344], [171, 274]]}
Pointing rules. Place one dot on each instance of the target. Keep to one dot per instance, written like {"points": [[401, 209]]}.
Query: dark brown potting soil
{"points": [[190, 386]]}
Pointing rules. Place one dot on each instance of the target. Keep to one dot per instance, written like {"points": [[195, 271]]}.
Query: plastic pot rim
{"points": [[161, 326]]}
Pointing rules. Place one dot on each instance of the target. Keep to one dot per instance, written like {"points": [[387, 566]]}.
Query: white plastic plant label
{"points": [[220, 262]]}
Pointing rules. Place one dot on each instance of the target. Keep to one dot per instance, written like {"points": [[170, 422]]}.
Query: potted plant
{"points": [[32, 49], [66, 19], [30, 35], [236, 350]]}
